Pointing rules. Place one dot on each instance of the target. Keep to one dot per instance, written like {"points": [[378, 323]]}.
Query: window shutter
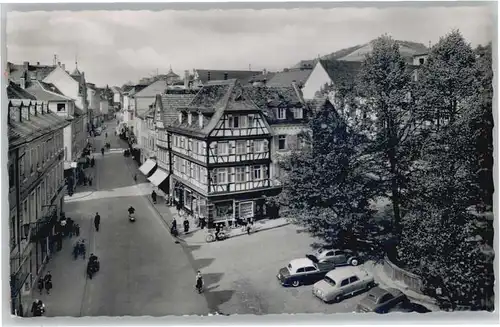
{"points": [[276, 142]]}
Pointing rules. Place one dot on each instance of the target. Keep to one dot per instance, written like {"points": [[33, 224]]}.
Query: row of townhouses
{"points": [[213, 141], [51, 113]]}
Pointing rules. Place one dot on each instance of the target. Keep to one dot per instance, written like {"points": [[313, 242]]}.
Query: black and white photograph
{"points": [[311, 159]]}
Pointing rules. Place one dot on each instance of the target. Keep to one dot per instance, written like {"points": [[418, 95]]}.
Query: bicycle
{"points": [[212, 238]]}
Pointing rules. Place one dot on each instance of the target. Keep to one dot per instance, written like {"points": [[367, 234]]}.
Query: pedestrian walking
{"points": [[186, 225], [92, 162], [40, 285], [48, 282], [90, 181], [97, 221], [153, 196], [37, 308], [199, 282], [102, 151]]}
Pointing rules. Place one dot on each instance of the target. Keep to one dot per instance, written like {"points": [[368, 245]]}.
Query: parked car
{"points": [[408, 306], [335, 256], [341, 283], [303, 271], [381, 300]]}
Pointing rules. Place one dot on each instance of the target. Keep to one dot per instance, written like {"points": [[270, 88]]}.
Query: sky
{"points": [[114, 47]]}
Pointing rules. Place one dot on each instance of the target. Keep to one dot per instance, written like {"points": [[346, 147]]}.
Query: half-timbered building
{"points": [[222, 148], [166, 105]]}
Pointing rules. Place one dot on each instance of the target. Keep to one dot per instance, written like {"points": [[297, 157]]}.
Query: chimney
{"points": [[64, 66], [26, 65], [38, 63], [59, 63], [23, 82], [186, 79], [264, 71]]}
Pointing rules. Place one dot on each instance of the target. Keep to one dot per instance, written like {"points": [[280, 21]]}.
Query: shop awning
{"points": [[158, 177], [147, 166]]}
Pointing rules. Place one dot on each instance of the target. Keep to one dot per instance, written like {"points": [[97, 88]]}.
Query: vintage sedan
{"points": [[343, 282], [335, 256], [303, 271], [380, 300]]}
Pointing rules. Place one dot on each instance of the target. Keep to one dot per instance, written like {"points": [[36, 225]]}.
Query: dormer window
{"points": [[200, 120], [281, 113], [298, 113], [190, 119]]}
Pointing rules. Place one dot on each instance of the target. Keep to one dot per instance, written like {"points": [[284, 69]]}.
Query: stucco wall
{"points": [[316, 80], [65, 83]]}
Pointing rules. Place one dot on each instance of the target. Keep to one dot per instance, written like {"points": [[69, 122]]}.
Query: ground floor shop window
{"points": [[224, 210], [246, 210], [188, 199], [203, 208]]}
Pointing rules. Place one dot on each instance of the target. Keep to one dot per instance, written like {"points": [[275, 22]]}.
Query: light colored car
{"points": [[343, 282], [335, 256], [303, 271]]}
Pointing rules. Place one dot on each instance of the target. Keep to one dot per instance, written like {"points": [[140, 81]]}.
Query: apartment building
{"points": [[36, 187]]}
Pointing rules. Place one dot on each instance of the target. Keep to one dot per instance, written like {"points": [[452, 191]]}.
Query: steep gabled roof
{"points": [[216, 75], [341, 71], [212, 101], [152, 89], [16, 71], [262, 77], [286, 78], [173, 99], [16, 92], [45, 91], [37, 125], [269, 98]]}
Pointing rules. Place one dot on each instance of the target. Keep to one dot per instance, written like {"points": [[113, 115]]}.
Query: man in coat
{"points": [[97, 221]]}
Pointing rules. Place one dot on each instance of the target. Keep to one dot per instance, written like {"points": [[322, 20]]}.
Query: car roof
{"points": [[379, 291], [301, 262], [344, 272]]}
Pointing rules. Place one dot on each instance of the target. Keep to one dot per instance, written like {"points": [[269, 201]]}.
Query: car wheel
{"points": [[354, 262], [296, 283], [337, 299]]}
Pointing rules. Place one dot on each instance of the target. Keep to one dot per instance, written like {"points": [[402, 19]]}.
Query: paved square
{"points": [[240, 274]]}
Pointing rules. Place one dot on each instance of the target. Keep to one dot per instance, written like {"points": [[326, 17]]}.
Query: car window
{"points": [[329, 281], [310, 269], [300, 270], [386, 297], [353, 279], [344, 282], [339, 252], [329, 254]]}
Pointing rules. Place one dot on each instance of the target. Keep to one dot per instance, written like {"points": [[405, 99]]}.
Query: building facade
{"points": [[36, 188], [222, 147]]}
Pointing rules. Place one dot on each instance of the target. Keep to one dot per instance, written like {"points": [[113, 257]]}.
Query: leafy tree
{"points": [[480, 127], [384, 83], [439, 228], [446, 80], [326, 189]]}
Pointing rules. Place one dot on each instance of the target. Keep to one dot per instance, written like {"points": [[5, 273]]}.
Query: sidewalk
{"points": [[68, 275], [377, 270], [195, 234]]}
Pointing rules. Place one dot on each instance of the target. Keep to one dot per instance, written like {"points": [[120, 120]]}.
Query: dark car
{"points": [[407, 306], [381, 300], [303, 271]]}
